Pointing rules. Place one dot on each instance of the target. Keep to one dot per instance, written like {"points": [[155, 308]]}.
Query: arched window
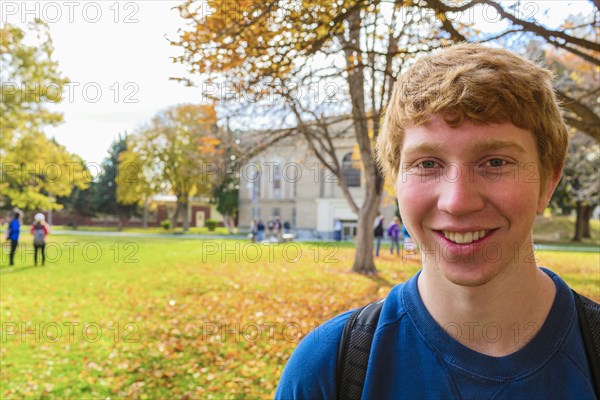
{"points": [[350, 171]]}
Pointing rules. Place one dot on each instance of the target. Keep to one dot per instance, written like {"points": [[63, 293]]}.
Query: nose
{"points": [[461, 195]]}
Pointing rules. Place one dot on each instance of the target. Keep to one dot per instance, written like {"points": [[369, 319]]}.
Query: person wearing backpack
{"points": [[475, 141], [39, 230], [378, 233], [393, 232], [12, 234]]}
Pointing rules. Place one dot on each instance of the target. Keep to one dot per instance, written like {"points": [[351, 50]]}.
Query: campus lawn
{"points": [[560, 229], [220, 230], [184, 318]]}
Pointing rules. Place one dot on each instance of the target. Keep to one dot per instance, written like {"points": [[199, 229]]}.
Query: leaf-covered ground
{"points": [[152, 318]]}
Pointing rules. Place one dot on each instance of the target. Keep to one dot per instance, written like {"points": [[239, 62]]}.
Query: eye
{"points": [[496, 162], [427, 164]]}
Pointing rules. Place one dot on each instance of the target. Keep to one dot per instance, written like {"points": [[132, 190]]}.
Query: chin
{"points": [[469, 275]]}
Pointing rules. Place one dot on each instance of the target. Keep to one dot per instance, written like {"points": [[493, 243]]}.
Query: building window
{"points": [[256, 178], [350, 171], [277, 180], [276, 212], [350, 228]]}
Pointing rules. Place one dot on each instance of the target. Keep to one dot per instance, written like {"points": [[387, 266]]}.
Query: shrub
{"points": [[211, 224], [166, 224]]}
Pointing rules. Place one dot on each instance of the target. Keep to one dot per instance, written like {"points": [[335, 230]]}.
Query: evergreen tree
{"points": [[104, 189]]}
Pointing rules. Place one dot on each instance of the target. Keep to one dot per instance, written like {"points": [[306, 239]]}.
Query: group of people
{"points": [[395, 232], [39, 230], [275, 229]]}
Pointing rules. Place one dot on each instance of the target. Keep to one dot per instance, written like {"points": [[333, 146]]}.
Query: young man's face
{"points": [[469, 196]]}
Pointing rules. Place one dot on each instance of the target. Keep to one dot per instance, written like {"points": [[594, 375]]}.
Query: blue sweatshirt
{"points": [[414, 358], [14, 229]]}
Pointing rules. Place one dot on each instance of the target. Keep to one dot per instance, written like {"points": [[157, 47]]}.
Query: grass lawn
{"points": [[155, 318], [193, 230], [560, 229]]}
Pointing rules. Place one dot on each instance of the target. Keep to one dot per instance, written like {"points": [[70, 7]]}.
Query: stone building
{"points": [[288, 181]]}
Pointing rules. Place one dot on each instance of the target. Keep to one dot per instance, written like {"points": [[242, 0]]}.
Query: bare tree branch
{"points": [[544, 32], [588, 122], [440, 13], [261, 146], [579, 53]]}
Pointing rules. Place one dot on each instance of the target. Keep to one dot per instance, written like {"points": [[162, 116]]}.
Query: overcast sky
{"points": [[118, 60]]}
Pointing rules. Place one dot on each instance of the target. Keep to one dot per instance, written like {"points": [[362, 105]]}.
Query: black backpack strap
{"points": [[588, 313], [354, 351]]}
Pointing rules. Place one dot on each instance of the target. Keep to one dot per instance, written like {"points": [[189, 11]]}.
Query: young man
{"points": [[474, 139]]}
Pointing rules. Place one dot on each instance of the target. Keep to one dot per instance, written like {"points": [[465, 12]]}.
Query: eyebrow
{"points": [[477, 148]]}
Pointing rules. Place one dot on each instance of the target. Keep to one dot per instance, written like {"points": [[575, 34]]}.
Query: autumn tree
{"points": [[226, 189], [575, 41], [326, 64], [579, 187], [34, 169], [577, 80], [278, 54], [177, 152]]}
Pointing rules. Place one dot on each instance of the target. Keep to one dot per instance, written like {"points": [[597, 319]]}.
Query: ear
{"points": [[547, 191]]}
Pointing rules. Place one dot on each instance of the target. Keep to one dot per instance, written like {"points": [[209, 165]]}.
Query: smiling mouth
{"points": [[465, 237]]}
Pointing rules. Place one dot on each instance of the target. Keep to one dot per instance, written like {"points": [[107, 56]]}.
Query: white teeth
{"points": [[468, 237], [464, 238]]}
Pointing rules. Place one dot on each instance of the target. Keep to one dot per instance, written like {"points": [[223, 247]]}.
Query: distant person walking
{"points": [[393, 232], [260, 231], [39, 230], [270, 228], [278, 227], [12, 234], [338, 226], [253, 230], [378, 233]]}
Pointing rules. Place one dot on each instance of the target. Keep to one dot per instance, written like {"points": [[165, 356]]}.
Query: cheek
{"points": [[518, 201], [414, 203]]}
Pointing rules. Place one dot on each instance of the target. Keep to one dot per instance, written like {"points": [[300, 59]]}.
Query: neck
{"points": [[496, 318]]}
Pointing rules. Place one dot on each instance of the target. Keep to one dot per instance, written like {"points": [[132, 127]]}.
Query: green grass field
{"points": [[193, 230], [560, 229], [156, 318]]}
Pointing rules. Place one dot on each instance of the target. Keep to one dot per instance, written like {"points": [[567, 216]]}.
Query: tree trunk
{"points": [[120, 222], [73, 220], [587, 216], [579, 222], [186, 215], [363, 257], [175, 215], [228, 221], [145, 217]]}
